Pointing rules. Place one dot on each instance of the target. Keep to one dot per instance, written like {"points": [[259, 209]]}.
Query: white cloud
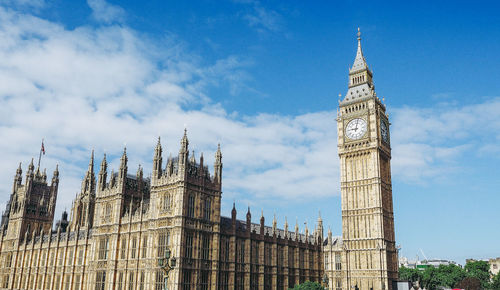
{"points": [[264, 19], [36, 4], [103, 87], [105, 12], [430, 143], [260, 18]]}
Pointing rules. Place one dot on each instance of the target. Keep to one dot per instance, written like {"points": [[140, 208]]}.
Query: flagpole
{"points": [[40, 156]]}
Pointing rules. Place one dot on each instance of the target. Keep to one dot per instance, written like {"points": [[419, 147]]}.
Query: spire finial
{"points": [[359, 34], [91, 162]]}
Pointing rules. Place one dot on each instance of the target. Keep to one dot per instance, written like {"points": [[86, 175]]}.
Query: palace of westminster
{"points": [[120, 224]]}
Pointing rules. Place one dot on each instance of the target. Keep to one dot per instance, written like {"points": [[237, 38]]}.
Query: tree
{"points": [[444, 275], [450, 275], [470, 283], [409, 274], [479, 270], [430, 278], [495, 283], [308, 285]]}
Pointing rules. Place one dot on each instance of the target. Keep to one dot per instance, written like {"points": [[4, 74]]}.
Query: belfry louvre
{"points": [[120, 224]]}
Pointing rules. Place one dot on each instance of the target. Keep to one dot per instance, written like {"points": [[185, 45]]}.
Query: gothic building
{"points": [[121, 223], [368, 256]]}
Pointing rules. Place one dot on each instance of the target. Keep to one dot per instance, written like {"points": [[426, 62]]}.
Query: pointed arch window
{"points": [[166, 202], [108, 212], [190, 212], [207, 209]]}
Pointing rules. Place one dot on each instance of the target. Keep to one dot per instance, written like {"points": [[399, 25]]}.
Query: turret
{"points": [[184, 151], [30, 173], [88, 183], [275, 225], [18, 179], [297, 230], [249, 220], [139, 173], [54, 188], [286, 228], [202, 169], [262, 220], [170, 166], [157, 161], [112, 179], [55, 176], [63, 223], [103, 173], [319, 229], [192, 159], [233, 212], [218, 165], [123, 165]]}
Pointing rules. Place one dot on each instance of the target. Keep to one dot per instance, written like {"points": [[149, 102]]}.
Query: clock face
{"points": [[384, 131], [356, 128]]}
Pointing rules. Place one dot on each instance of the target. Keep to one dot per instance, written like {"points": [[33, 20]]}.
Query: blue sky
{"points": [[263, 78]]}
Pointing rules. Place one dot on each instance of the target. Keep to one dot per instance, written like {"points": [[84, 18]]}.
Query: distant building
{"points": [[417, 264], [494, 264]]}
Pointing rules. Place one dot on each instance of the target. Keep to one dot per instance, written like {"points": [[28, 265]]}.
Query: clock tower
{"points": [[369, 258]]}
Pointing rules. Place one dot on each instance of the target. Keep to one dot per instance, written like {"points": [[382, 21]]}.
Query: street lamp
{"points": [[325, 281], [166, 264]]}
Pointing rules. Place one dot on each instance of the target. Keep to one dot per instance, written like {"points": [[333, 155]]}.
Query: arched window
{"points": [[190, 211], [207, 209], [108, 212], [166, 202]]}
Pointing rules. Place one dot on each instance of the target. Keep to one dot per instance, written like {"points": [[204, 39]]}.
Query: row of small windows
{"points": [[338, 263], [204, 254], [106, 212], [121, 284], [254, 255], [28, 281], [163, 242], [355, 108], [32, 259], [100, 281], [207, 207], [358, 79]]}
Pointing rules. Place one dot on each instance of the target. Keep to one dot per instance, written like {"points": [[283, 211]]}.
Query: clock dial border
{"points": [[385, 138], [348, 122]]}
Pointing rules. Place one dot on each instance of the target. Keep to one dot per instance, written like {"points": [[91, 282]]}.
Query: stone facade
{"points": [[333, 251], [494, 265], [121, 223], [369, 256]]}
